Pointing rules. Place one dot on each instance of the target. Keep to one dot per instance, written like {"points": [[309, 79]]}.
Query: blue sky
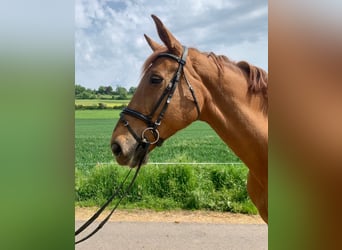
{"points": [[110, 47]]}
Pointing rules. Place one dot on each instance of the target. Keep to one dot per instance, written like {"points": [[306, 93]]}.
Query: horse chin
{"points": [[134, 158], [139, 157], [137, 160]]}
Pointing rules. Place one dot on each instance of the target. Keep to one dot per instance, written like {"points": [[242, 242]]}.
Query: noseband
{"points": [[152, 126]]}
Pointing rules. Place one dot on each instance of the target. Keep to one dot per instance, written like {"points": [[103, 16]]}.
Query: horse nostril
{"points": [[116, 149]]}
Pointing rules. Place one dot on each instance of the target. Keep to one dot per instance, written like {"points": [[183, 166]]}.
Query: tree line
{"points": [[103, 92]]}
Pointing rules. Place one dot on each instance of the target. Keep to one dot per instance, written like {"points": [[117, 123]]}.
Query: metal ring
{"points": [[152, 129]]}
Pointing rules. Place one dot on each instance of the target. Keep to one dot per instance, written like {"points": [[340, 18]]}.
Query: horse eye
{"points": [[156, 79]]}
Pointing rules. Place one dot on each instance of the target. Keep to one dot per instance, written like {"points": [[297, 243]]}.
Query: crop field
{"points": [[95, 102], [197, 143], [190, 167]]}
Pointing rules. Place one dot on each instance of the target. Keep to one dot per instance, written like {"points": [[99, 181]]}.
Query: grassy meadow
{"points": [[193, 169]]}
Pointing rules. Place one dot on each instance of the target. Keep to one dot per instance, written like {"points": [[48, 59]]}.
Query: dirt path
{"points": [[82, 214]]}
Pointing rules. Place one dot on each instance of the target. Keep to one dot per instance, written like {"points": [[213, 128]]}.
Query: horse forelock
{"points": [[152, 58]]}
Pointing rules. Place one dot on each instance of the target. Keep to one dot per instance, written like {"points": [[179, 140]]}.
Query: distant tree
{"points": [[108, 90], [121, 92], [83, 93], [132, 90], [101, 90], [86, 95], [92, 91], [79, 89]]}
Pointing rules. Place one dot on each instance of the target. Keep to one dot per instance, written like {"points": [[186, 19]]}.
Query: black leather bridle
{"points": [[152, 126]]}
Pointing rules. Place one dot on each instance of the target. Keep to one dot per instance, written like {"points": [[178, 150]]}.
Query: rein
{"points": [[120, 188], [152, 126]]}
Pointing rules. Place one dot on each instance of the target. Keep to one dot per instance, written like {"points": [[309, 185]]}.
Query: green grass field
{"points": [[185, 173], [197, 143]]}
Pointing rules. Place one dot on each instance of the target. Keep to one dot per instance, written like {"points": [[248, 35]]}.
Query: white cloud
{"points": [[110, 47]]}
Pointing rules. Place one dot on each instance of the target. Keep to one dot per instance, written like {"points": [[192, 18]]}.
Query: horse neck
{"points": [[236, 116]]}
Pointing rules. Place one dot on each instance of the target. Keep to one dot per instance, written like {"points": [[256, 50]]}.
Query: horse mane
{"points": [[221, 61], [151, 58], [257, 82], [257, 78]]}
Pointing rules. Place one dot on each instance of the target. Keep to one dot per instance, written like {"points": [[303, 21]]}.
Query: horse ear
{"points": [[154, 45], [165, 35]]}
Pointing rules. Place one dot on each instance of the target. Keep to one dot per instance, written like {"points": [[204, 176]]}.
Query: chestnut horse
{"points": [[181, 85]]}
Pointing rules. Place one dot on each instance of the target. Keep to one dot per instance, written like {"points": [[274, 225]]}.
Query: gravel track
{"points": [[190, 230]]}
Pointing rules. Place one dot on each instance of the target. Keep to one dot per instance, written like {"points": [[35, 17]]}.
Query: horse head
{"points": [[163, 103]]}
